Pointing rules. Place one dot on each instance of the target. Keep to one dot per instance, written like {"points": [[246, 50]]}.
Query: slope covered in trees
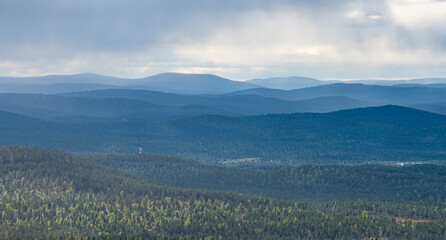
{"points": [[51, 194], [366, 135], [305, 183]]}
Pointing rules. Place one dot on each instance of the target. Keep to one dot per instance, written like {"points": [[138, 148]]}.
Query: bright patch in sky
{"points": [[236, 39]]}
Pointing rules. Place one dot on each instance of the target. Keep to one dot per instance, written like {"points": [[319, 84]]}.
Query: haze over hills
{"points": [[368, 93], [168, 82], [247, 104], [191, 83], [179, 83], [420, 81], [288, 83], [85, 110]]}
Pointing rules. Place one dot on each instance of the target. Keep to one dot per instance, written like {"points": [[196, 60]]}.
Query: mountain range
{"points": [[181, 83]]}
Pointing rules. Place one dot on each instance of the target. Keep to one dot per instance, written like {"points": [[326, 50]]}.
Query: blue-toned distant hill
{"points": [[88, 110], [190, 83], [167, 82], [247, 104], [375, 134], [418, 81], [433, 85], [368, 93], [288, 83]]}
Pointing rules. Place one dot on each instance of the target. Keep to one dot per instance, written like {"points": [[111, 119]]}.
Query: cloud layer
{"points": [[238, 39]]}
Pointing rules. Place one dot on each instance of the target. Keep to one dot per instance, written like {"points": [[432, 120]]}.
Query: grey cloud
{"points": [[50, 33]]}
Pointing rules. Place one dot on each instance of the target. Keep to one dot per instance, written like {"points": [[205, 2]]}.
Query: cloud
{"points": [[231, 38]]}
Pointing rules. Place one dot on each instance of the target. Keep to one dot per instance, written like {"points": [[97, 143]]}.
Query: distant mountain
{"points": [[288, 83], [433, 85], [51, 88], [368, 93], [167, 82], [84, 110], [84, 78], [190, 83], [421, 81], [246, 104], [439, 108]]}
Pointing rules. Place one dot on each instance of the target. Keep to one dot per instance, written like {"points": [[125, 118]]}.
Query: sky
{"points": [[238, 39]]}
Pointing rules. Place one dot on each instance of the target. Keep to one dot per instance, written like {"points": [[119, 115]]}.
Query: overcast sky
{"points": [[239, 39]]}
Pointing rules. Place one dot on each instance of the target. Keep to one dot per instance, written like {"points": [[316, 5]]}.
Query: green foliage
{"points": [[50, 194], [305, 183]]}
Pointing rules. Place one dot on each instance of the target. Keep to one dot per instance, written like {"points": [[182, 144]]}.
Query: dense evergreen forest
{"points": [[47, 193], [366, 135], [305, 183]]}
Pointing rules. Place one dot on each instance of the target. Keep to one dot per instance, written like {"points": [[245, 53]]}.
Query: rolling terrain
{"points": [[232, 160], [168, 82], [50, 194], [247, 104], [364, 135], [369, 93], [305, 183]]}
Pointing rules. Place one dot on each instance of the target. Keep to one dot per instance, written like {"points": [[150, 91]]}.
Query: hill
{"points": [[191, 83], [237, 104], [168, 82], [304, 183], [50, 194], [287, 83], [364, 135], [386, 133], [439, 107], [87, 110], [415, 81], [368, 93]]}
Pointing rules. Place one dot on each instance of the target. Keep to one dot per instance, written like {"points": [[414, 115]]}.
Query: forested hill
{"points": [[305, 183], [388, 133], [48, 194]]}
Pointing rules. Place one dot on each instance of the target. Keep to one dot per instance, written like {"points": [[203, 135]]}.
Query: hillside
{"points": [[191, 83], [236, 104], [85, 110], [368, 93], [364, 135], [168, 82], [51, 194], [287, 83], [388, 133], [305, 183]]}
